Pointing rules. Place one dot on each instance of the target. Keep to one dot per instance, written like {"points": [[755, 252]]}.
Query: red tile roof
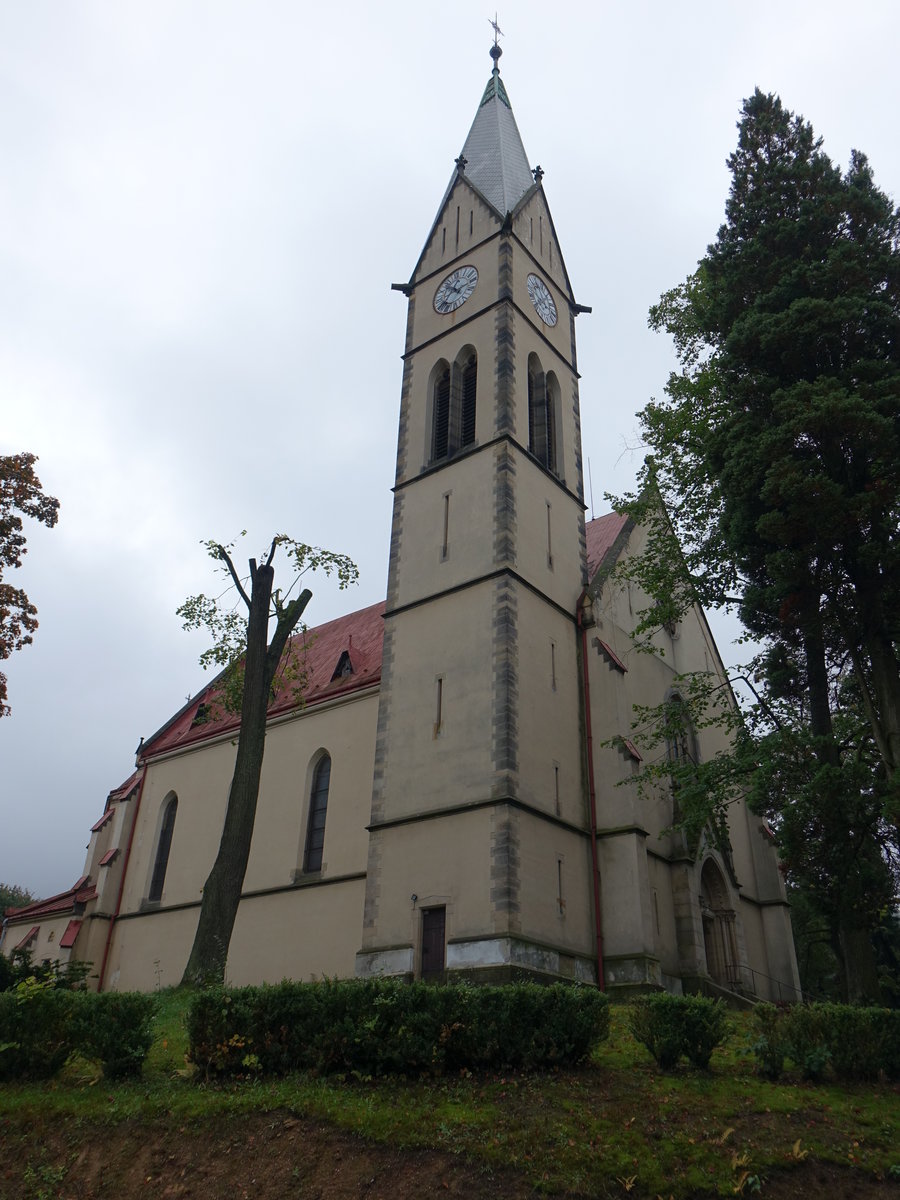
{"points": [[124, 790], [67, 941], [108, 857], [601, 534], [98, 825], [29, 936], [611, 655], [317, 653], [82, 891]]}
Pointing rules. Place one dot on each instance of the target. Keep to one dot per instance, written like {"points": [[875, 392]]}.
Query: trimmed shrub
{"points": [[850, 1042], [116, 1029], [42, 1024], [378, 1027], [37, 1026], [671, 1026], [769, 1047]]}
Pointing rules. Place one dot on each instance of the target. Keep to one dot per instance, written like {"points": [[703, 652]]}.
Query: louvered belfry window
{"points": [[440, 445], [318, 803], [541, 416], [162, 850], [469, 381]]}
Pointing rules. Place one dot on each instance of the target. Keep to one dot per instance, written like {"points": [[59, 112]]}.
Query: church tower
{"points": [[478, 830]]}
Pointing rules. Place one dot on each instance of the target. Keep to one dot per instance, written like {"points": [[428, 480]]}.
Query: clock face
{"points": [[540, 297], [455, 290]]}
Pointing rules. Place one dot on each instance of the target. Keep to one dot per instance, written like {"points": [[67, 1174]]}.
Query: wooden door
{"points": [[433, 923]]}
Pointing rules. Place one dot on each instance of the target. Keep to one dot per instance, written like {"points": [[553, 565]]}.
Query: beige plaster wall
{"points": [[306, 933], [533, 227], [442, 251], [549, 733], [452, 638], [443, 861], [201, 778], [554, 565], [543, 847], [422, 569], [46, 944]]}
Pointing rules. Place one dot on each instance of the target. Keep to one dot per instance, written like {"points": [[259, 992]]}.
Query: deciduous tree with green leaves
{"points": [[251, 663], [21, 495]]}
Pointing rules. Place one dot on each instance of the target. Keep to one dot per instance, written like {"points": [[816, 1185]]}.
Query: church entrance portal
{"points": [[719, 938]]}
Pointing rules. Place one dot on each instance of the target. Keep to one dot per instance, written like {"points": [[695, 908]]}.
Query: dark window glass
{"points": [[441, 414], [318, 803], [469, 378], [162, 850]]}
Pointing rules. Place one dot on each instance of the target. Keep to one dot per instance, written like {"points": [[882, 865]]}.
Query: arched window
{"points": [[468, 380], [315, 826], [542, 414], [681, 745], [163, 846], [453, 391], [440, 412]]}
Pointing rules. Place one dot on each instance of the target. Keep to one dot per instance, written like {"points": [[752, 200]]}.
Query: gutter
{"points": [[592, 792], [114, 917]]}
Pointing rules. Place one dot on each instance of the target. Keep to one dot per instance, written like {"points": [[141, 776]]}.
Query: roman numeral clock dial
{"points": [[455, 290], [540, 297]]}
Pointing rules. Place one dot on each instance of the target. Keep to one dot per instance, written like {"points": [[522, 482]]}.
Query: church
{"points": [[452, 798]]}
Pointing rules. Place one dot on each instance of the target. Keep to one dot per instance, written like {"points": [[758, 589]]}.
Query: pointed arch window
{"points": [[542, 395], [440, 439], [163, 846], [453, 396], [468, 381], [318, 804]]}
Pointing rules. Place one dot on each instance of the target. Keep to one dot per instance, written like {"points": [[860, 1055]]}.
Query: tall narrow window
{"points": [[439, 707], [469, 381], [445, 542], [163, 847], [441, 414], [318, 804], [549, 539]]}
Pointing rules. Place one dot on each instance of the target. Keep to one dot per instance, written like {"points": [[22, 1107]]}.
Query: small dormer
{"points": [[344, 668]]}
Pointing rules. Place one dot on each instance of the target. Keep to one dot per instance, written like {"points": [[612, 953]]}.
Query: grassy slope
{"points": [[615, 1123]]}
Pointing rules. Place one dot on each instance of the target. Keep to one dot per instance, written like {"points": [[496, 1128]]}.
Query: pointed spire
{"points": [[494, 157]]}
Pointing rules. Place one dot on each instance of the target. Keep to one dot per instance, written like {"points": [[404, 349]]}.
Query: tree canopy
{"points": [[776, 458], [21, 495]]}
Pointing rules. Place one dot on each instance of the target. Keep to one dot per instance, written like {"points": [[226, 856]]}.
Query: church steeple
{"points": [[495, 158]]}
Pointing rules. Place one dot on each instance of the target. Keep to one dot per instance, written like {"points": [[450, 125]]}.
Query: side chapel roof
{"points": [[80, 892]]}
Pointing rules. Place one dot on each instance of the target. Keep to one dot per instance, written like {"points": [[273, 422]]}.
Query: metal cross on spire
{"points": [[495, 49]]}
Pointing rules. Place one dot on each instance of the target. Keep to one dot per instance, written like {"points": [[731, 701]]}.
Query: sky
{"points": [[202, 209]]}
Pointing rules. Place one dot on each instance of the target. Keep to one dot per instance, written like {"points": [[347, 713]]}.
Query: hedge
{"points": [[42, 1025], [842, 1039], [378, 1027]]}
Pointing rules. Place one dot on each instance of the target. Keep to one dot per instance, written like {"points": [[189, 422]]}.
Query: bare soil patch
{"points": [[276, 1156]]}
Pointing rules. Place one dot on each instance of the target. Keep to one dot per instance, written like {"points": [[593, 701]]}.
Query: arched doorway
{"points": [[719, 940]]}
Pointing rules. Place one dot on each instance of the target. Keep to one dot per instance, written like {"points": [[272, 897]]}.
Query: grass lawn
{"points": [[614, 1126]]}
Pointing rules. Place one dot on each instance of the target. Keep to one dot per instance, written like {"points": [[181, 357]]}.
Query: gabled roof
{"points": [[80, 892], [496, 162], [605, 536], [316, 653]]}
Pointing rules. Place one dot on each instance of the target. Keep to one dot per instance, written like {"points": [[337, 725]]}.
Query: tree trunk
{"points": [[858, 960], [222, 890]]}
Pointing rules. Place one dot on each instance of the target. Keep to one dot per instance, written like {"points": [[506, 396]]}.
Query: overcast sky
{"points": [[202, 208]]}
